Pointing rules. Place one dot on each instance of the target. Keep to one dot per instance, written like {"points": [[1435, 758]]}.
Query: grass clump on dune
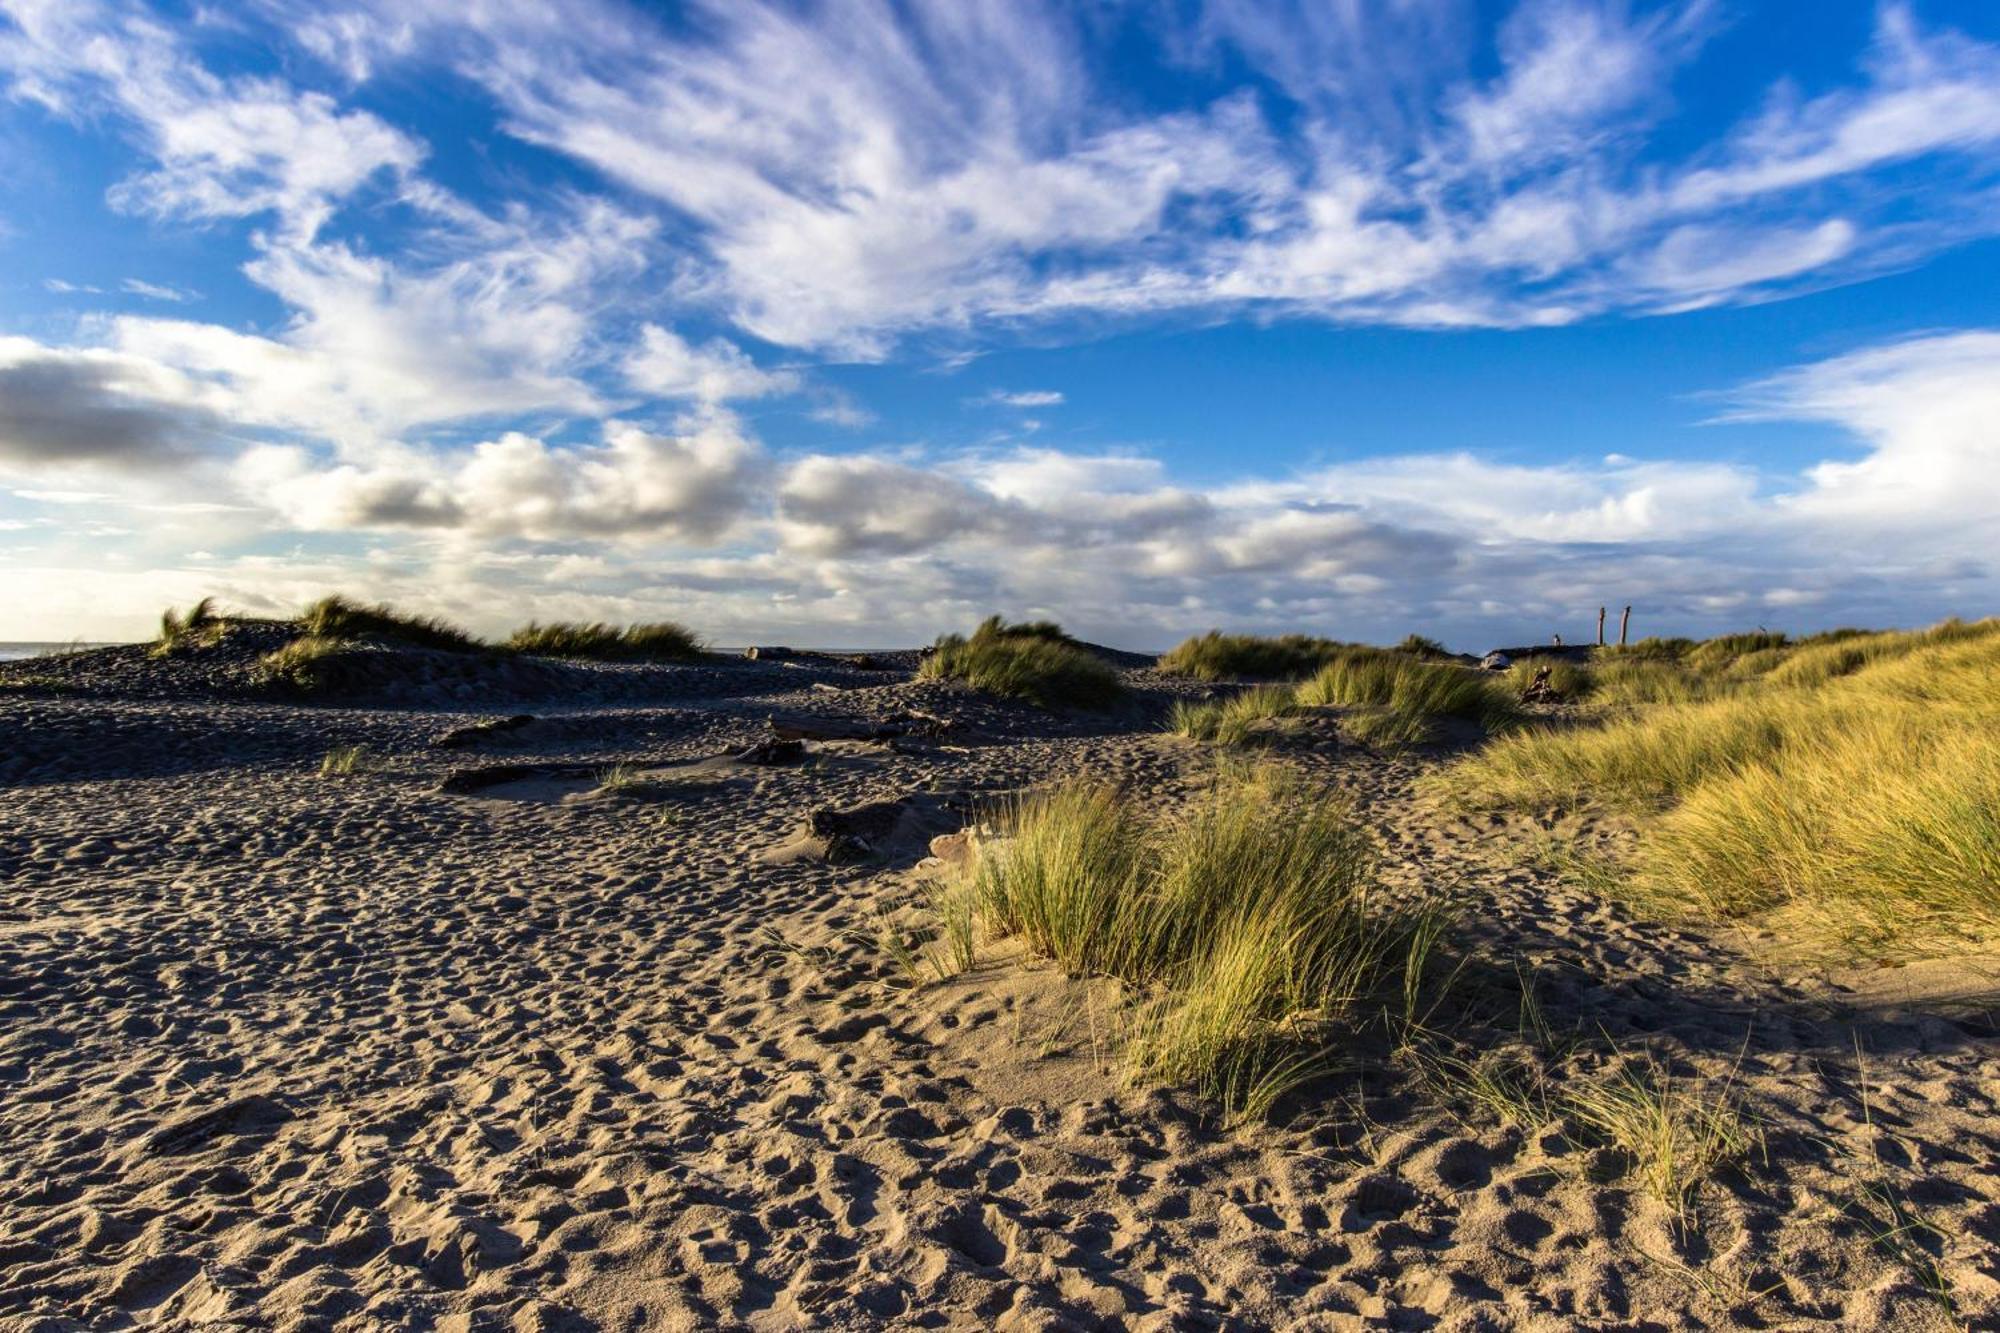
{"points": [[1219, 656], [181, 631], [1394, 698], [306, 665], [1419, 645], [1249, 920], [337, 618], [1857, 798], [1041, 667], [1415, 690], [1568, 681], [660, 641], [1230, 721]]}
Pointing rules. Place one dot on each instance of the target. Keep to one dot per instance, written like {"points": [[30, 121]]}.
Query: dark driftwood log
{"points": [[1539, 690], [773, 752], [460, 737]]}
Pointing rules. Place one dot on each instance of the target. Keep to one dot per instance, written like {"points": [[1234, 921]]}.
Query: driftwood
{"points": [[459, 738], [768, 654], [772, 752], [1539, 690]]}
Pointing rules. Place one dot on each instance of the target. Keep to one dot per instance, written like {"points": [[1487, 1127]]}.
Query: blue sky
{"points": [[848, 323]]}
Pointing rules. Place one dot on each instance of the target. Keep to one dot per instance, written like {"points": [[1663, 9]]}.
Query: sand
{"points": [[287, 1050]]}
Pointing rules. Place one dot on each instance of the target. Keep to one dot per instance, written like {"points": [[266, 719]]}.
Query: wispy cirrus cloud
{"points": [[848, 179]]}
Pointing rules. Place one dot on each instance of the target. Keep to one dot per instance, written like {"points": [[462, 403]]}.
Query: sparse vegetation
{"points": [[1231, 719], [1854, 787], [1247, 923], [346, 759], [1032, 665], [308, 665], [1417, 692], [38, 685], [1219, 656], [197, 627], [1674, 1133], [1392, 698], [337, 618], [659, 641]]}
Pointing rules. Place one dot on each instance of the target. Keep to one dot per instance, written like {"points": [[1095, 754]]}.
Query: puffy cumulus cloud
{"points": [[1925, 407], [666, 365], [681, 489], [846, 507], [701, 523], [846, 175], [61, 407]]}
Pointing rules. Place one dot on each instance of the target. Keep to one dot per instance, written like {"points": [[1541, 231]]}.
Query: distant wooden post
{"points": [[1600, 627], [1624, 623]]}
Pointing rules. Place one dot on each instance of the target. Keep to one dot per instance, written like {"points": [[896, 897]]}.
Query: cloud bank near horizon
{"points": [[535, 403]]}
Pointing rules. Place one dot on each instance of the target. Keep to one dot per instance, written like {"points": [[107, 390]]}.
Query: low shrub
{"points": [[1248, 920], [660, 641], [1219, 656], [336, 618], [1031, 666]]}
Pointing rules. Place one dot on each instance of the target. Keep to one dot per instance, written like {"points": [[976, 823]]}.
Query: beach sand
{"points": [[292, 1050]]}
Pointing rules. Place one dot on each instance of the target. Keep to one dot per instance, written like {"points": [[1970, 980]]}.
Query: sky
{"points": [[847, 323]]}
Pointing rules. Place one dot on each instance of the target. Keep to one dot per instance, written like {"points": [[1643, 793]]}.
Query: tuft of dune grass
{"points": [[1395, 699], [1219, 656], [197, 627], [1854, 789], [1042, 668], [306, 665], [1411, 688], [339, 618], [1230, 721], [662, 640], [1248, 922]]}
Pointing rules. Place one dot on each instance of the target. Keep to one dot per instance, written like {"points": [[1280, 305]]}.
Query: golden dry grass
{"points": [[1853, 787]]}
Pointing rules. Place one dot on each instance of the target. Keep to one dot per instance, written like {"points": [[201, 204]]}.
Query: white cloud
{"points": [[688, 488], [155, 291], [849, 181], [224, 148], [62, 407], [1023, 398], [665, 365]]}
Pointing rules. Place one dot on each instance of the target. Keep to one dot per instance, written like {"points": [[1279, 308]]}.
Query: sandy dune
{"points": [[287, 1050]]}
